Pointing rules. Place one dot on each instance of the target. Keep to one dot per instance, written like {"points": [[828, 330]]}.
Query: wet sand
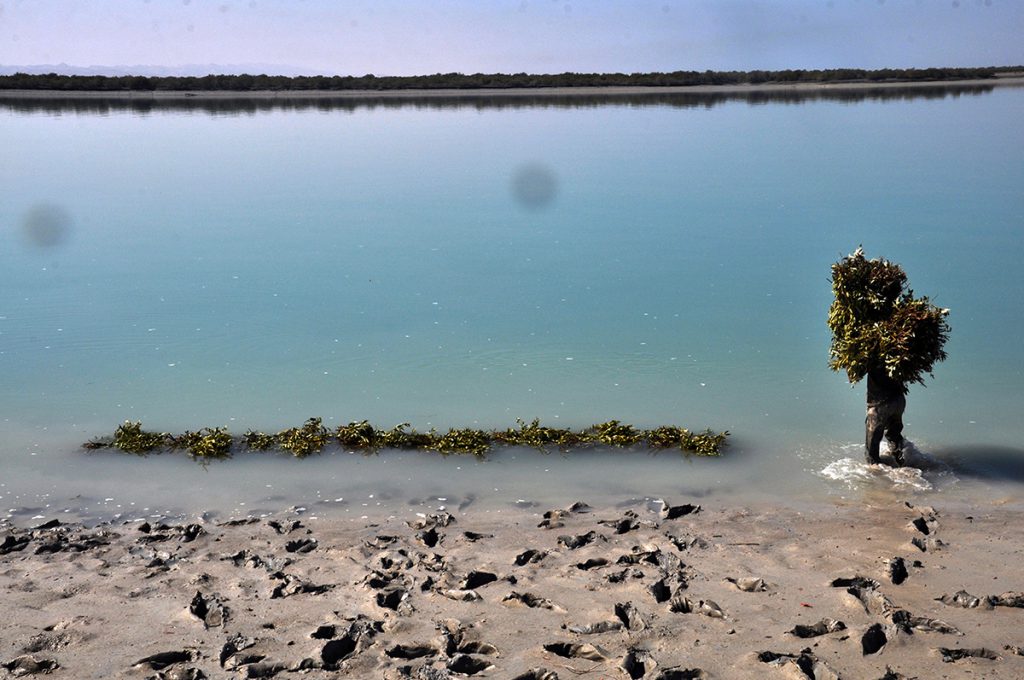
{"points": [[1000, 81], [646, 590]]}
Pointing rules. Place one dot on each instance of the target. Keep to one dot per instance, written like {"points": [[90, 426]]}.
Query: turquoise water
{"points": [[462, 264]]}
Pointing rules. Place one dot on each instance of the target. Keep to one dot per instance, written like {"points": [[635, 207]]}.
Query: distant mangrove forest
{"points": [[211, 443], [477, 81], [240, 104]]}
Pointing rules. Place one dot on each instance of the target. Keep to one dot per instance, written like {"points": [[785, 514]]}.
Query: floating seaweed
{"points": [[302, 441], [131, 438], [216, 442], [258, 441], [537, 436], [207, 443]]}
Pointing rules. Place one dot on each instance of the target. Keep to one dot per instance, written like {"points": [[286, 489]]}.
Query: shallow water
{"points": [[467, 265]]}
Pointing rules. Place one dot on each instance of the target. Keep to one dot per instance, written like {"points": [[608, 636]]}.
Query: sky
{"points": [[392, 37]]}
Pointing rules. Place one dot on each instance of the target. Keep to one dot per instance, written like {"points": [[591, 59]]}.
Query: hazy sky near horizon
{"points": [[391, 37]]}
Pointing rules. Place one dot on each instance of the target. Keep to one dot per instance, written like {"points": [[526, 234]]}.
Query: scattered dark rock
{"points": [[391, 598], [749, 584], [189, 673], [897, 569], [594, 628], [264, 669], [866, 590], [822, 627], [530, 557], [630, 617], [429, 537], [962, 598], [52, 524], [475, 579], [575, 542], [624, 525], [805, 662], [622, 575], [335, 651], [677, 511], [681, 674], [461, 595], [592, 563], [922, 525], [239, 522], [529, 600], [325, 632], [576, 651], [856, 582], [873, 640], [474, 536], [637, 663], [233, 645], [285, 528], [162, 660], [684, 605], [683, 543], [468, 665], [537, 674], [191, 532], [410, 651], [1010, 599], [1014, 649], [293, 585], [951, 655], [890, 674], [236, 661], [208, 609], [661, 590], [301, 545], [30, 665], [13, 544]]}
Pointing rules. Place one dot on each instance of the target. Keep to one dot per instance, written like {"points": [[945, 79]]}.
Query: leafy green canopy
{"points": [[877, 323]]}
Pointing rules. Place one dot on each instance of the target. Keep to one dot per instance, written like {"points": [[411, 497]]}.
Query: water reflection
{"points": [[241, 104]]}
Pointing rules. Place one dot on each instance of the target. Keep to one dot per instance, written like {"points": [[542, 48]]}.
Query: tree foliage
{"points": [[246, 82], [877, 323]]}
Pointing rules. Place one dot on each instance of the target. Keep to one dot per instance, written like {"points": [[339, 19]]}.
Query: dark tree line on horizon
{"points": [[459, 81]]}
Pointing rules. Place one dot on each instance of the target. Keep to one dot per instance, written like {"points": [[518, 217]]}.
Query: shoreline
{"points": [[797, 88], [642, 591]]}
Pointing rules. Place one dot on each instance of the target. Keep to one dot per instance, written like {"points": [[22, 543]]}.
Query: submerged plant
{"points": [[214, 443], [131, 438], [258, 441], [537, 436], [399, 437], [357, 435], [207, 443], [706, 443], [614, 433], [302, 441], [465, 440]]}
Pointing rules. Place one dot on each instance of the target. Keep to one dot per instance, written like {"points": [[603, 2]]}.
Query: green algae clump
{"points": [[131, 438]]}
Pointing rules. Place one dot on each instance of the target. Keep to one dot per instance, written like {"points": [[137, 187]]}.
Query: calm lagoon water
{"points": [[470, 262]]}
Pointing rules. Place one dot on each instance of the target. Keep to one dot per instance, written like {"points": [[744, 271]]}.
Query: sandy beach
{"points": [[646, 590]]}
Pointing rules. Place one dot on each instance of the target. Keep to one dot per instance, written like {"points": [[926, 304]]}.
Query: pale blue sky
{"points": [[392, 37]]}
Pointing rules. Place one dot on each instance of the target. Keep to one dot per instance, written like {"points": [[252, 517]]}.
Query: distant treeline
{"points": [[459, 81]]}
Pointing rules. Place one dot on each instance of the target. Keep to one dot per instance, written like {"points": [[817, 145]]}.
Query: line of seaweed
{"points": [[212, 443]]}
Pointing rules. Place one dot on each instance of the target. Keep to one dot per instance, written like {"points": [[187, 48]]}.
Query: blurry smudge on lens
{"points": [[534, 186], [46, 225]]}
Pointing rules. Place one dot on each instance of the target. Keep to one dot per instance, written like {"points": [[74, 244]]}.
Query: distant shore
{"points": [[797, 88]]}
